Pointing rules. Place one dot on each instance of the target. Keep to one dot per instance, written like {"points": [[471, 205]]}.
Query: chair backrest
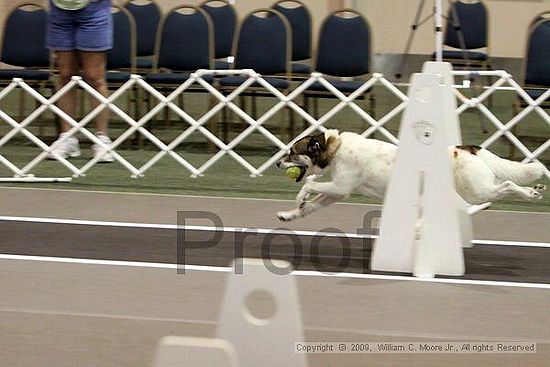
{"points": [[123, 53], [541, 16], [474, 24], [299, 18], [185, 40], [344, 44], [537, 60], [23, 43], [147, 17], [224, 19], [263, 43]]}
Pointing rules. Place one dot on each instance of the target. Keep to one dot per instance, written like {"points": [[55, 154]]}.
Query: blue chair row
{"points": [[148, 16], [248, 51], [263, 42], [185, 43], [224, 19]]}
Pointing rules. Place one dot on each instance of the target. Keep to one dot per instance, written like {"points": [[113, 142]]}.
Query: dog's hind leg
{"points": [[473, 209], [540, 187], [511, 188], [308, 207]]}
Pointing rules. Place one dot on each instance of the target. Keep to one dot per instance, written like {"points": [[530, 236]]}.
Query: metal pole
{"points": [[438, 30]]}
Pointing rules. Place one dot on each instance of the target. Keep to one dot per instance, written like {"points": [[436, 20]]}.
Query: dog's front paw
{"points": [[287, 216]]}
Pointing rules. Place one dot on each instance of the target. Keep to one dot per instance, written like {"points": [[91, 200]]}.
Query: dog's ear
{"points": [[317, 143]]}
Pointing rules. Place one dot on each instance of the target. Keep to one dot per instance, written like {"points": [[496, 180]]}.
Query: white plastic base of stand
{"points": [[175, 351]]}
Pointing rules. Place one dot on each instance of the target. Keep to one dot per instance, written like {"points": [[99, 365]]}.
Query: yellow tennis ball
{"points": [[293, 172]]}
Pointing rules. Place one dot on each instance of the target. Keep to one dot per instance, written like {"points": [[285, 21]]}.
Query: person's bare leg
{"points": [[67, 64], [93, 68]]}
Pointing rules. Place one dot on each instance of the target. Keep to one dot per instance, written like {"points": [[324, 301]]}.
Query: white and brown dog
{"points": [[363, 166]]}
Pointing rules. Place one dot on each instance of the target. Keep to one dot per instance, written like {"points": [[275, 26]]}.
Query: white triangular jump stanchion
{"points": [[451, 123], [454, 136], [420, 230]]}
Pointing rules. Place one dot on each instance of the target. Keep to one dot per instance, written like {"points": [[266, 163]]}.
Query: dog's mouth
{"points": [[302, 173]]}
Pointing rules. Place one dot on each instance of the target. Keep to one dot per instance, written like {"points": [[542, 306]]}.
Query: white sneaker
{"points": [[106, 156], [67, 148]]}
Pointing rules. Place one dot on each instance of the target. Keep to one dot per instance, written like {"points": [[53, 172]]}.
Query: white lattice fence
{"points": [[228, 101], [505, 80]]}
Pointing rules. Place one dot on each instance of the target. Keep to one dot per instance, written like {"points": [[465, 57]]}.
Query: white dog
{"points": [[363, 166]]}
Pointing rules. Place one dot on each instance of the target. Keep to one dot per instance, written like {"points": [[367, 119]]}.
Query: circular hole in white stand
{"points": [[260, 306]]}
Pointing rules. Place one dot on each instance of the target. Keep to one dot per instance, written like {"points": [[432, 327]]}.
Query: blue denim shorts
{"points": [[87, 29]]}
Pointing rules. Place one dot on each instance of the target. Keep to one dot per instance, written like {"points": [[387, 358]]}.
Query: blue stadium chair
{"points": [[536, 75], [262, 43], [537, 65], [185, 43], [467, 39], [224, 19], [343, 52], [469, 36], [147, 17], [121, 59], [23, 46], [299, 18]]}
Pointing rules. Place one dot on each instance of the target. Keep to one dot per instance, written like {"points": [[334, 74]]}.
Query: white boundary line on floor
{"points": [[240, 230], [153, 194], [189, 196], [299, 273]]}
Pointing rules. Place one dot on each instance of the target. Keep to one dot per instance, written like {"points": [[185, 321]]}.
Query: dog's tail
{"points": [[504, 169]]}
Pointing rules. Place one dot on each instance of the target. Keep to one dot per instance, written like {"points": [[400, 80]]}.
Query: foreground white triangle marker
{"points": [[420, 230], [247, 336], [263, 341]]}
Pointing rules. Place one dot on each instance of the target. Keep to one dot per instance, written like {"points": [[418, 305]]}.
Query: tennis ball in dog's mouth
{"points": [[293, 172]]}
